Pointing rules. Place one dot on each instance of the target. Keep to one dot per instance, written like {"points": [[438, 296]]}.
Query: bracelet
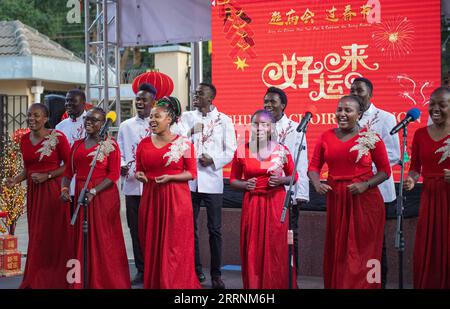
{"points": [[65, 189], [368, 185]]}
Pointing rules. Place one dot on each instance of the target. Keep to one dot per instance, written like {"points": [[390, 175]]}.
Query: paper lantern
{"points": [[162, 83]]}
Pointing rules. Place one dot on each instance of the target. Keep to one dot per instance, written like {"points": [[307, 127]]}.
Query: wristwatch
{"points": [[93, 191], [49, 176]]}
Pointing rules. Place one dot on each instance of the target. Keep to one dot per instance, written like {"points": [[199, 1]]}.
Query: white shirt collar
{"points": [[139, 119], [283, 121], [79, 117], [371, 109], [213, 111]]}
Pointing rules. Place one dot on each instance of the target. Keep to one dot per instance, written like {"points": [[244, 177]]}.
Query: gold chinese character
{"points": [[365, 10], [331, 15], [307, 17], [348, 13], [276, 19], [292, 19], [332, 92]]}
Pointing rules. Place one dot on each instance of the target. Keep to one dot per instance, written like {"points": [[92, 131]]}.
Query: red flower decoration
{"points": [[17, 135], [162, 83]]}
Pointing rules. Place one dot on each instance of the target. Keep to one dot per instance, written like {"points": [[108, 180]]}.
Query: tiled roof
{"points": [[17, 39]]}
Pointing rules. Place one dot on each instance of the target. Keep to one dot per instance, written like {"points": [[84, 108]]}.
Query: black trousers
{"points": [[132, 206], [384, 260], [294, 225], [213, 204]]}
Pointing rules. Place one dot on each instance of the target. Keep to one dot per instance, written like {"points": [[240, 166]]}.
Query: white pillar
{"points": [[37, 90], [173, 61]]}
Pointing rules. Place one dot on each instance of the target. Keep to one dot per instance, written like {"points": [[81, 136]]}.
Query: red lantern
{"points": [[162, 83]]}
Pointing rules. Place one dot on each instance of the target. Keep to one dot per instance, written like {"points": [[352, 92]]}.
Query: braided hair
{"points": [[172, 106]]}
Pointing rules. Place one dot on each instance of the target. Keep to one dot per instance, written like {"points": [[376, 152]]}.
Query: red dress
{"points": [[355, 223], [166, 222], [264, 248], [432, 245], [107, 258], [48, 217]]}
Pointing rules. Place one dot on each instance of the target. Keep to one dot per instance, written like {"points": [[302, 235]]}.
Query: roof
{"points": [[17, 39]]}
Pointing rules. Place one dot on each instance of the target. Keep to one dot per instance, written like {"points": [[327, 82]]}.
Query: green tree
{"points": [[49, 18]]}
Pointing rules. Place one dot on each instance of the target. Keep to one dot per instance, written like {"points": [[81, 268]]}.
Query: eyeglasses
{"points": [[91, 119]]}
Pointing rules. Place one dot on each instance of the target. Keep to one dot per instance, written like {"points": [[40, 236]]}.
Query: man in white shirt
{"points": [[73, 126], [213, 136], [381, 122], [275, 102], [131, 132]]}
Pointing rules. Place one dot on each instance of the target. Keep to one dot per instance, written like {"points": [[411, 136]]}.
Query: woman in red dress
{"points": [[355, 208], [43, 152], [431, 258], [107, 259], [262, 168], [164, 163]]}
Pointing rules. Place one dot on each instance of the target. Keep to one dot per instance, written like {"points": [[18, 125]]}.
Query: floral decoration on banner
{"points": [[49, 144], [365, 143], [445, 151], [106, 148], [176, 150]]}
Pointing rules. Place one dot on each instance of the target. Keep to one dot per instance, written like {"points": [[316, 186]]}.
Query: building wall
{"points": [[175, 65]]}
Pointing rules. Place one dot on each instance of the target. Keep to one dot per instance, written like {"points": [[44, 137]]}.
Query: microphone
{"points": [[305, 119], [110, 119], [412, 115]]}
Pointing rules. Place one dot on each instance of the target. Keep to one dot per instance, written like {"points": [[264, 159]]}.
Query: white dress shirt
{"points": [[382, 122], [131, 132], [288, 136], [217, 139], [73, 130]]}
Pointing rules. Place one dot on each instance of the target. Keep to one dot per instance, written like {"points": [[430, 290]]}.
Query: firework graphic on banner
{"points": [[394, 37], [237, 30], [413, 91]]}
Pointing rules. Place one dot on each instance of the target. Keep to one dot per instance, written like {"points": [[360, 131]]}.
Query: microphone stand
{"points": [[399, 237], [83, 201], [288, 207]]}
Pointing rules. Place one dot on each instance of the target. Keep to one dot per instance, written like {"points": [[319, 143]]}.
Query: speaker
{"points": [[55, 104]]}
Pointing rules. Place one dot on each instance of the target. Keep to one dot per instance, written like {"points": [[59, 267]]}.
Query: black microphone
{"points": [[110, 119], [305, 119], [412, 115]]}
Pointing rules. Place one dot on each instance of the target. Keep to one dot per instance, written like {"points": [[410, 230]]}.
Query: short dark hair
{"points": [[78, 92], [211, 87], [263, 112], [42, 107], [148, 87], [280, 93], [444, 89], [356, 99], [366, 81], [98, 110]]}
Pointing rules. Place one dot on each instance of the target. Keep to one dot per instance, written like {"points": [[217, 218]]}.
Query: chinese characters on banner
{"points": [[314, 49]]}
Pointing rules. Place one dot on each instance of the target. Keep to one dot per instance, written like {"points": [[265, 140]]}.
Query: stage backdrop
{"points": [[314, 49]]}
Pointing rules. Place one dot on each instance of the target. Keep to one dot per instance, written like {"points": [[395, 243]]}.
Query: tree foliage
{"points": [[49, 18]]}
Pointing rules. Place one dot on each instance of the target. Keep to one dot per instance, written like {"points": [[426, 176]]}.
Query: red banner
{"points": [[314, 49]]}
